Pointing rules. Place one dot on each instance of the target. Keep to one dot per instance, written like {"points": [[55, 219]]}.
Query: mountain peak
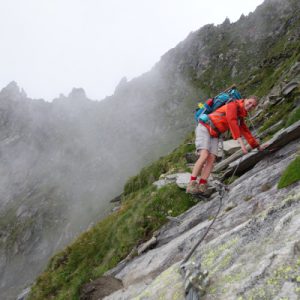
{"points": [[12, 90], [121, 84], [78, 94]]}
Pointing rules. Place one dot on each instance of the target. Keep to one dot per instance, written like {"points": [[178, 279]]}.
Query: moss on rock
{"points": [[291, 174]]}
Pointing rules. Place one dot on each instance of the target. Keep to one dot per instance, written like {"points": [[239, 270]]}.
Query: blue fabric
{"points": [[218, 101]]}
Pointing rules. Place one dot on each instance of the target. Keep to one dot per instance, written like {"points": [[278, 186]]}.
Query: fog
{"points": [[49, 47], [62, 161]]}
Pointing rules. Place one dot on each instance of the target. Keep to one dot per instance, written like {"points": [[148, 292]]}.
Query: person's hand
{"points": [[262, 147]]}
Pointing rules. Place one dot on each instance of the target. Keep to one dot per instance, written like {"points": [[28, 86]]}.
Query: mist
{"points": [[62, 162], [49, 47]]}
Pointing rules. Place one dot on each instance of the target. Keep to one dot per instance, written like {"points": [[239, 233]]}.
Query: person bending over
{"points": [[228, 117]]}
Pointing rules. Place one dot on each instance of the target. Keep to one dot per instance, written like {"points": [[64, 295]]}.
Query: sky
{"points": [[50, 46]]}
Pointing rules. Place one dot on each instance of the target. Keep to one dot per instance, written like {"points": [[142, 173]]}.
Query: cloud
{"points": [[49, 47]]}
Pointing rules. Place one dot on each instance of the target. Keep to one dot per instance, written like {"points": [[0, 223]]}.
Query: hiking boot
{"points": [[202, 188], [192, 187]]}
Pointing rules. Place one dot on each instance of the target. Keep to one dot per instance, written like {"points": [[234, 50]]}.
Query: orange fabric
{"points": [[231, 116]]}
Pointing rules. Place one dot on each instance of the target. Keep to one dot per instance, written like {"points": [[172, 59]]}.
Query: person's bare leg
{"points": [[200, 162], [208, 166]]}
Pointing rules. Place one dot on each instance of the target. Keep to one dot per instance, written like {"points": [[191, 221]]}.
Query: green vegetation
{"points": [[174, 162], [144, 209], [291, 174], [16, 224], [272, 285], [230, 179], [277, 113], [219, 257], [293, 117], [248, 198]]}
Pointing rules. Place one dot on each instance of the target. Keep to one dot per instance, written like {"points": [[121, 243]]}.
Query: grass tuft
{"points": [[291, 174]]}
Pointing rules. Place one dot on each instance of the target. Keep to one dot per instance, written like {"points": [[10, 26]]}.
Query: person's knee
{"points": [[211, 157], [204, 154]]}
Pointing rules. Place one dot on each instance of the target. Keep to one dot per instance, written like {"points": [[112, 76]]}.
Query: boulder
{"points": [[287, 89], [160, 183], [225, 163], [183, 179], [279, 140], [231, 146]]}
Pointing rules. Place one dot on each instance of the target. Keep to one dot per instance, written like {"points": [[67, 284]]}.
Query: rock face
{"points": [[231, 146], [280, 139], [104, 286], [252, 251]]}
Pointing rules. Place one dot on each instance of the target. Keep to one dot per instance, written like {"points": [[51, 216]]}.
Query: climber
{"points": [[228, 117]]}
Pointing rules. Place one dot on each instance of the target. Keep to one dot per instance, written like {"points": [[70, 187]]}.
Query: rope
{"points": [[221, 194], [204, 235], [222, 190]]}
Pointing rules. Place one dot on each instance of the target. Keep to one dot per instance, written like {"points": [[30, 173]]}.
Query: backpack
{"points": [[213, 103]]}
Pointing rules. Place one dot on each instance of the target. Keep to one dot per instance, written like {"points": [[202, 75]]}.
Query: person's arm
{"points": [[246, 133], [243, 146], [232, 119]]}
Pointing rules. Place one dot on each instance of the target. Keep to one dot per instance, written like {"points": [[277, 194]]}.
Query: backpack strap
{"points": [[212, 125]]}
